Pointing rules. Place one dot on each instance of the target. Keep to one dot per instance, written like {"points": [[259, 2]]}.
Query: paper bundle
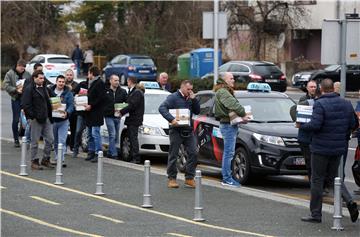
{"points": [[59, 112], [80, 102], [55, 102], [235, 119], [118, 107], [182, 116], [303, 113]]}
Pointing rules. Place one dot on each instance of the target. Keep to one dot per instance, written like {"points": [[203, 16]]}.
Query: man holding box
{"points": [[13, 84], [115, 98], [173, 110], [61, 113]]}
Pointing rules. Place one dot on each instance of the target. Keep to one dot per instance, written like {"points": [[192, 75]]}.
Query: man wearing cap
{"points": [[13, 84]]}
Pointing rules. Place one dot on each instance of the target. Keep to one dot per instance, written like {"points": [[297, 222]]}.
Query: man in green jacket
{"points": [[225, 102], [13, 84]]}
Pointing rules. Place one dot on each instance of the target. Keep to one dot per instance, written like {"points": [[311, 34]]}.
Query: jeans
{"points": [[323, 166], [80, 126], [44, 130], [28, 131], [94, 140], [60, 134], [177, 137], [229, 133], [16, 109], [133, 132], [78, 66], [112, 125]]}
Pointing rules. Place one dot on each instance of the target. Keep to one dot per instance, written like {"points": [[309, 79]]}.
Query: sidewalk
{"points": [[228, 212]]}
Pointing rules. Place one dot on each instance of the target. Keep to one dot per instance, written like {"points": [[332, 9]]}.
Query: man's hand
{"points": [[192, 95], [297, 125], [19, 89], [245, 119], [174, 123], [87, 107]]}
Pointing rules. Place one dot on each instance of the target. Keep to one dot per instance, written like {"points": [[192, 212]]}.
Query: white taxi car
{"points": [[153, 134]]}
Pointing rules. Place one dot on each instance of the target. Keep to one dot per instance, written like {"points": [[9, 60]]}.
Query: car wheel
{"points": [[123, 80], [84, 140], [240, 166], [181, 159], [125, 147]]}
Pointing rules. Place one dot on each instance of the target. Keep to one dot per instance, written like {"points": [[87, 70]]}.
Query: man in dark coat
{"points": [[94, 116], [332, 119], [135, 109]]}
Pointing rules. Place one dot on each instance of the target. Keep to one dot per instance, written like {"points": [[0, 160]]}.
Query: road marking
{"points": [[178, 218], [44, 200], [47, 224], [107, 218], [180, 235]]}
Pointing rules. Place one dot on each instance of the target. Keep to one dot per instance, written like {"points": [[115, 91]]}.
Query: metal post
{"points": [[216, 41], [337, 205], [23, 157], [343, 57], [198, 198], [147, 195], [99, 183], [59, 165]]}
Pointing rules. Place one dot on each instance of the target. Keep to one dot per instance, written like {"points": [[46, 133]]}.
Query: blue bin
{"points": [[202, 62]]}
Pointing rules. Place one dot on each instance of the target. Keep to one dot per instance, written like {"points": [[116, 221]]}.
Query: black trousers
{"points": [[134, 142], [73, 121]]}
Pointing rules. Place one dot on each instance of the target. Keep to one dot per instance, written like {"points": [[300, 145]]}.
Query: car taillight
{"points": [[132, 68], [255, 77], [282, 77], [49, 66]]}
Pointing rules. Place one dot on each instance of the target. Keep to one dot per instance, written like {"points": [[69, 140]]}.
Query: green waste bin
{"points": [[183, 65]]}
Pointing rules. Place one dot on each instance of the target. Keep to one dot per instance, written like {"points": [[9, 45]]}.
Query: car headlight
{"points": [[147, 130], [305, 76], [269, 139]]}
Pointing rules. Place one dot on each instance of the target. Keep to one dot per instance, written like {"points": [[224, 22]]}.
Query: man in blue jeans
{"points": [[77, 56], [114, 94], [13, 84], [94, 115], [225, 102]]}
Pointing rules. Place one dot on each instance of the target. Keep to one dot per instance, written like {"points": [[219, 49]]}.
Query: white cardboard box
{"points": [[80, 102], [182, 116], [59, 112], [303, 113], [235, 119]]}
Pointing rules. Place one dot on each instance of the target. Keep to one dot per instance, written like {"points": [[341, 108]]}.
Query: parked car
{"points": [[53, 65], [153, 134], [300, 79], [254, 71], [138, 66], [266, 145]]}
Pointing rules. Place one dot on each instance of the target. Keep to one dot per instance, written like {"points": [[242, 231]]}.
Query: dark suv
{"points": [[254, 71], [300, 79]]}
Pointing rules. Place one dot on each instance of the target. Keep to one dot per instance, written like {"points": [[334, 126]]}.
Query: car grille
{"points": [[291, 142]]}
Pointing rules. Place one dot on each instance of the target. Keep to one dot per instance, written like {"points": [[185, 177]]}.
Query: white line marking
{"points": [[107, 218], [180, 235], [44, 200]]}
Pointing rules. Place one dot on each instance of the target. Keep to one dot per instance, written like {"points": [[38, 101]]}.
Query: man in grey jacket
{"points": [[13, 83]]}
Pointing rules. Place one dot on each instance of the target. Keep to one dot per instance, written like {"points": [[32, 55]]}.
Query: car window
{"points": [[61, 60], [225, 67], [239, 68], [353, 67], [153, 101], [332, 68], [41, 59], [269, 109], [266, 69], [206, 103], [35, 59], [116, 59], [141, 61], [122, 61]]}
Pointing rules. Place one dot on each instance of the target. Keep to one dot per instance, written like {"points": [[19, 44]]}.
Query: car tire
{"points": [[181, 159], [123, 80], [84, 140], [125, 147], [240, 166]]}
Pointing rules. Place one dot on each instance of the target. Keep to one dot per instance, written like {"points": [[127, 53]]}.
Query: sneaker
{"points": [[190, 183], [353, 210], [16, 143], [46, 162], [231, 183], [35, 165], [90, 156], [172, 183]]}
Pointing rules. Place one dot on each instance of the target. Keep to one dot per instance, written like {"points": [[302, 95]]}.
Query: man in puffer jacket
{"points": [[225, 102]]}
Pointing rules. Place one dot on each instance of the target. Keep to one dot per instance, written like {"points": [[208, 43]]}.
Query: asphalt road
{"points": [[34, 206]]}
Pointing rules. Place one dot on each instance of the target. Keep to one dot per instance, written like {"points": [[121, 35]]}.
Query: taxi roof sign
{"points": [[150, 84], [260, 87]]}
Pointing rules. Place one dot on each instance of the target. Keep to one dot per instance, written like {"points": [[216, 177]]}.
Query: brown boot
{"points": [[46, 162], [172, 183], [35, 165], [190, 183]]}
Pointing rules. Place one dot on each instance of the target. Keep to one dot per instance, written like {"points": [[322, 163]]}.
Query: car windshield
{"points": [[266, 69], [269, 110], [141, 61], [153, 101], [60, 60], [332, 68]]}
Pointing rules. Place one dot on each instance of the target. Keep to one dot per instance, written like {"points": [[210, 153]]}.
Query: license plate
{"points": [[299, 161], [271, 80], [144, 71]]}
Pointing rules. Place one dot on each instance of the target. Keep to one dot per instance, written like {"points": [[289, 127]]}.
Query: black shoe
{"points": [[16, 143], [64, 165], [353, 210], [46, 162], [310, 219], [90, 156]]}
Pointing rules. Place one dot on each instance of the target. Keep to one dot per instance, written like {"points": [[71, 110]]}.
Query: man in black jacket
{"points": [[37, 107], [135, 109], [94, 116], [71, 84], [114, 94]]}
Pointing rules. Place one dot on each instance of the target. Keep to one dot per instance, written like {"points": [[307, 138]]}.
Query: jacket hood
{"points": [[222, 84]]}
